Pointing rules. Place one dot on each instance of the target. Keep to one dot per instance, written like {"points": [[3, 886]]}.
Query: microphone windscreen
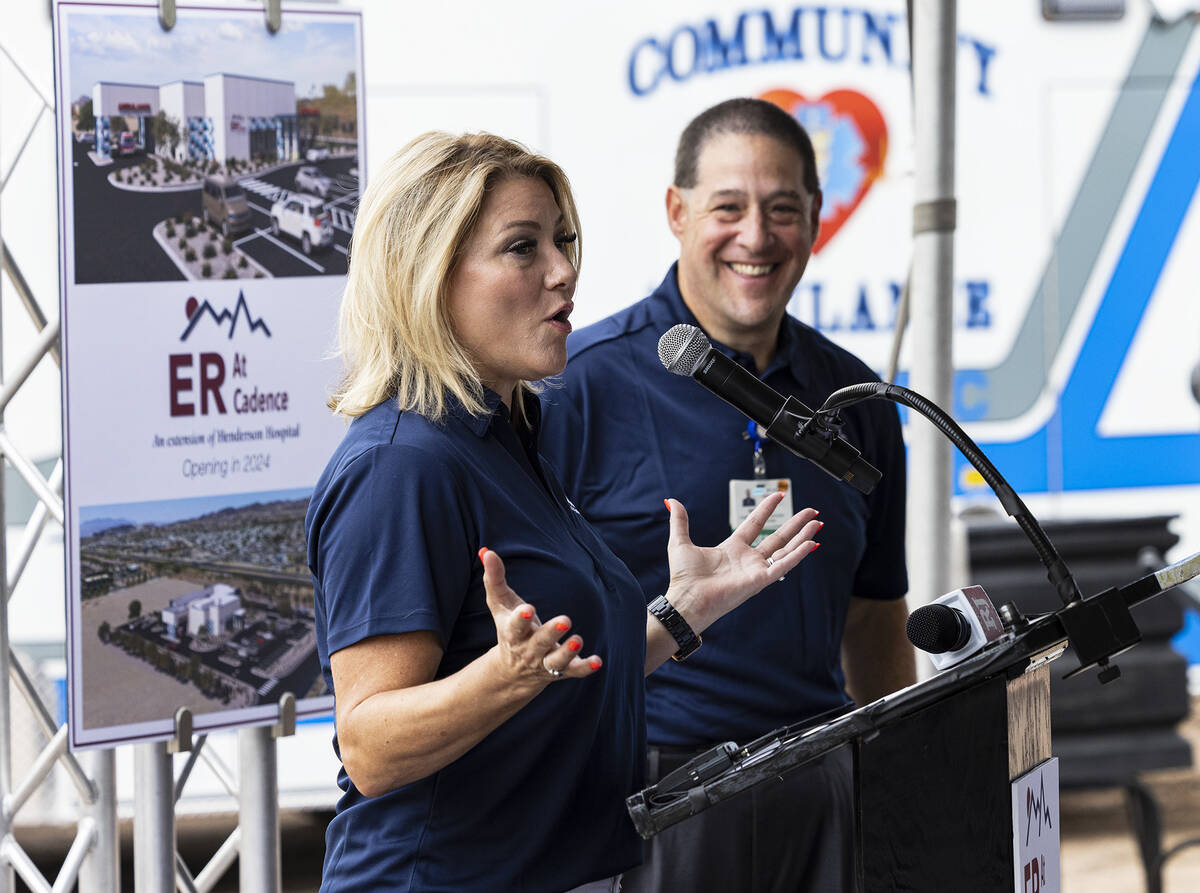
{"points": [[681, 348], [936, 629]]}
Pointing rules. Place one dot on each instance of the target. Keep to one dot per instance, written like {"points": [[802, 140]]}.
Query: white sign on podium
{"points": [[1036, 826]]}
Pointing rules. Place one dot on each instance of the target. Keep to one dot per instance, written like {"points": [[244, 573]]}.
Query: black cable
{"points": [[1176, 850], [1056, 569]]}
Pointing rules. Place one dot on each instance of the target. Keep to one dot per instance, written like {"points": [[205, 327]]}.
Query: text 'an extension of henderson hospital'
{"points": [[225, 435]]}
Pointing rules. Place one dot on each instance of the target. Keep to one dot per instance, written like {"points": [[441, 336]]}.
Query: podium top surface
{"points": [[655, 808]]}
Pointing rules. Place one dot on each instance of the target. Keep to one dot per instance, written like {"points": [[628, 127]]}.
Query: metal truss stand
{"points": [[92, 859]]}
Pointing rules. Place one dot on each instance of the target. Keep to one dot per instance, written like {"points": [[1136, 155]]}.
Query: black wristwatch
{"points": [[684, 636]]}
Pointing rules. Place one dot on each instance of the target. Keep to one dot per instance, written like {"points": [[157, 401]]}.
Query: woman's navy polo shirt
{"points": [[393, 528]]}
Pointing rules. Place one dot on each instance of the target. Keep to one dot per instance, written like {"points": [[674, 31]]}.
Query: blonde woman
{"points": [[485, 649]]}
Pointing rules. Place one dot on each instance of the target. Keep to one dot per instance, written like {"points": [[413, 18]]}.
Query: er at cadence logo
{"points": [[197, 382]]}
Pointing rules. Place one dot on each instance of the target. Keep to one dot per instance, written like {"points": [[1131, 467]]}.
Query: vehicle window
{"points": [[233, 190]]}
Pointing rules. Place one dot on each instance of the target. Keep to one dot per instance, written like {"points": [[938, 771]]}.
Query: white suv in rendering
{"points": [[310, 179], [303, 217]]}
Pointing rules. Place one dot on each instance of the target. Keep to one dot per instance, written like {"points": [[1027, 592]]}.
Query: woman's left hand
{"points": [[707, 583]]}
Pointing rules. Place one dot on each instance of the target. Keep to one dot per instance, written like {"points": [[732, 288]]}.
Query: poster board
{"points": [[208, 180]]}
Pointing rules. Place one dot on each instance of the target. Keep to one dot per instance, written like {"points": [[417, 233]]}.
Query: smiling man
{"points": [[625, 433]]}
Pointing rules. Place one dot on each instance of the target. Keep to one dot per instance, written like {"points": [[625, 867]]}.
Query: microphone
{"points": [[684, 350], [955, 626]]}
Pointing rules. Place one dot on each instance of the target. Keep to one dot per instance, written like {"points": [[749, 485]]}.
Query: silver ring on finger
{"points": [[770, 560], [550, 670]]}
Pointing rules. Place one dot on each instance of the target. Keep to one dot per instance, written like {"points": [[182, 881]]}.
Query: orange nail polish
{"points": [[822, 525], [816, 546], [562, 627], [667, 503], [574, 645], [482, 551], [595, 665], [527, 613]]}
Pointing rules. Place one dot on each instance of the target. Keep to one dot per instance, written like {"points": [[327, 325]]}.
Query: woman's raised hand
{"points": [[528, 649], [707, 583]]}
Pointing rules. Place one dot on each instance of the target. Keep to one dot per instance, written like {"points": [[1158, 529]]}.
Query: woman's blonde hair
{"points": [[395, 334]]}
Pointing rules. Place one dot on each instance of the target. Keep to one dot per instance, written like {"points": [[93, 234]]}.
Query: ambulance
{"points": [[1076, 342]]}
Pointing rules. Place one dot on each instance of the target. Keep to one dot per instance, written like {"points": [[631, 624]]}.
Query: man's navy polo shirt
{"points": [[624, 433], [393, 528]]}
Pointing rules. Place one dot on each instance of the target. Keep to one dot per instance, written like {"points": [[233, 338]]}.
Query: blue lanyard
{"points": [[760, 464]]}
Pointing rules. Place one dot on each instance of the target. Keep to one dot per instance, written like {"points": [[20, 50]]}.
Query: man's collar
{"points": [[669, 309]]}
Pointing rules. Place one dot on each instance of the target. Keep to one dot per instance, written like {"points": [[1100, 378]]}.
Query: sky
{"points": [[166, 511], [131, 47]]}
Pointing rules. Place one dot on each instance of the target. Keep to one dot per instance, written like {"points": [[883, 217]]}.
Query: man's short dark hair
{"points": [[743, 115]]}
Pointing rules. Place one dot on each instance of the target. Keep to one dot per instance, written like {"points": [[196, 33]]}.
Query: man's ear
{"points": [[677, 210], [815, 215]]}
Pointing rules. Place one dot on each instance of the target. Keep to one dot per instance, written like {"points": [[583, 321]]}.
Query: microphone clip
{"points": [[825, 424], [816, 436]]}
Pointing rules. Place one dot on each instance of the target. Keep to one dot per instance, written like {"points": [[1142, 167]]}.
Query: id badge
{"points": [[744, 497]]}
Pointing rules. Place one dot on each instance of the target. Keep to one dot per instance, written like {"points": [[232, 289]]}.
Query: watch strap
{"points": [[685, 637]]}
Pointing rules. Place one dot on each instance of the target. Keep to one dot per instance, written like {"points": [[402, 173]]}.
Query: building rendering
{"points": [[222, 117], [214, 609]]}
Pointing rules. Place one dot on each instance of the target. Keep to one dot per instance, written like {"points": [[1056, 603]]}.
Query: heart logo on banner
{"points": [[850, 138]]}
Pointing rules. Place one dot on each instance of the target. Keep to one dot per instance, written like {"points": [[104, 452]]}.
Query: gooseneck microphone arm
{"points": [[1056, 569], [685, 350]]}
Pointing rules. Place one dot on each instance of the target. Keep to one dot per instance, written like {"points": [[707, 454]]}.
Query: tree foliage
{"points": [[166, 131], [85, 119]]}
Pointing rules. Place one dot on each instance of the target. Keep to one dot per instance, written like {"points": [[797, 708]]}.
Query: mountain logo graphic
{"points": [[1036, 807], [197, 311]]}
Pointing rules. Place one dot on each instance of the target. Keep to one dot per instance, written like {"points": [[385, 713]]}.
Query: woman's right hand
{"points": [[528, 650]]}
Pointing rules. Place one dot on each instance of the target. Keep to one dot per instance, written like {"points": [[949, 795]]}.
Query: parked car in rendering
{"points": [[317, 153], [303, 217], [223, 204], [310, 179], [126, 143]]}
